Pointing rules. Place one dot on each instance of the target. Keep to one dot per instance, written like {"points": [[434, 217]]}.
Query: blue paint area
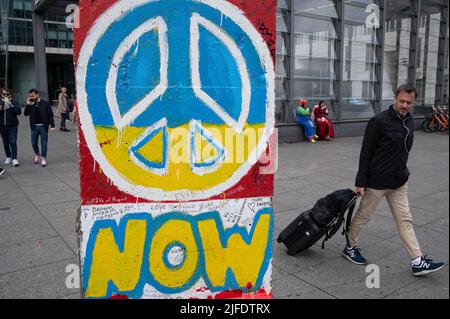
{"points": [[179, 105], [165, 149], [219, 74], [153, 225], [220, 150], [119, 237], [139, 71]]}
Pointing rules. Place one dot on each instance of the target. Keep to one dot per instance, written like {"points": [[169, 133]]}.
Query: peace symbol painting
{"points": [[177, 147]]}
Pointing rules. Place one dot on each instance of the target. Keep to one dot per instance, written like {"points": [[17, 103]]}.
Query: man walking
{"points": [[383, 172], [41, 120], [9, 110]]}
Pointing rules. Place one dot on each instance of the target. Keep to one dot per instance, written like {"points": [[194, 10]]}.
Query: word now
{"points": [[172, 252]]}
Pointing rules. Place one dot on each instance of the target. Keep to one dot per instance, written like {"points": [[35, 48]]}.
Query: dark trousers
{"points": [[42, 131], [9, 137], [64, 117]]}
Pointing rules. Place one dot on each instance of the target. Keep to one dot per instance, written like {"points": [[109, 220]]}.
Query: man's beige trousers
{"points": [[398, 201]]}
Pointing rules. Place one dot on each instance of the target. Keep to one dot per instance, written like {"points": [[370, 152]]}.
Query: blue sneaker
{"points": [[426, 266], [354, 255]]}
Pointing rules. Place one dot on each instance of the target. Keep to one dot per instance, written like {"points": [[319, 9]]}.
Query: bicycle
{"points": [[437, 121]]}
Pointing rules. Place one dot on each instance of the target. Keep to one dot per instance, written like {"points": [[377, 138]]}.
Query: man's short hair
{"points": [[35, 91], [408, 88], [7, 90]]}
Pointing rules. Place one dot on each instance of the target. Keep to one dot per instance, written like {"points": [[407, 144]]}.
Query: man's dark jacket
{"points": [[8, 117], [45, 111], [385, 151]]}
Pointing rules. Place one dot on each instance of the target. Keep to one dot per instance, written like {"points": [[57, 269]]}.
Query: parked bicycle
{"points": [[437, 121]]}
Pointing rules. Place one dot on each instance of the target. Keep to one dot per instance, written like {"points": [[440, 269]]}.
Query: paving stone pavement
{"points": [[38, 211]]}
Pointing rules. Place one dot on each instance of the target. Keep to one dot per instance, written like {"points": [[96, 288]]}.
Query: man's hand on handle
{"points": [[360, 190]]}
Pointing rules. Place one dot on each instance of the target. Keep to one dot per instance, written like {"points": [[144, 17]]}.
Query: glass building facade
{"points": [[351, 54], [57, 35], [354, 54], [17, 68]]}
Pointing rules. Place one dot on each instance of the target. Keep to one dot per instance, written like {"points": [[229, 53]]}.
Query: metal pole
{"points": [[291, 49], [340, 56], [4, 9], [40, 59], [379, 51]]}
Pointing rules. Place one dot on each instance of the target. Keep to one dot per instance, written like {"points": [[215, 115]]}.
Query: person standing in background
{"points": [[9, 110], [63, 109]]}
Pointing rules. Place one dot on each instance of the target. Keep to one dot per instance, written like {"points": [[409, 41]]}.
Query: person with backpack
{"points": [[383, 172], [9, 111]]}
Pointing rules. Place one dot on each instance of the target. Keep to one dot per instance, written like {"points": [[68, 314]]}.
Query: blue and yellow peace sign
{"points": [[162, 83]]}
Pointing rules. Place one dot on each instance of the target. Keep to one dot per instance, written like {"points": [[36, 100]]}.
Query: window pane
{"points": [[281, 43], [18, 4], [315, 27], [281, 21], [314, 68], [280, 108], [313, 89], [396, 49], [429, 32], [280, 88], [280, 67], [320, 7], [358, 100], [360, 62], [314, 46]]}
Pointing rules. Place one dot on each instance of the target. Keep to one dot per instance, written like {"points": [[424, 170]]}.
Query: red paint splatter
{"points": [[202, 289], [119, 297], [238, 294]]}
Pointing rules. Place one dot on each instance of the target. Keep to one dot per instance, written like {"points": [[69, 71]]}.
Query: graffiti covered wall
{"points": [[176, 101]]}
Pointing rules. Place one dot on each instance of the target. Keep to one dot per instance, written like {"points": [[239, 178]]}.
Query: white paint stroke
{"points": [[196, 21], [120, 121], [162, 124]]}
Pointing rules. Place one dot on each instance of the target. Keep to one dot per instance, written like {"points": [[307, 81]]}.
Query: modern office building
{"points": [[18, 65], [352, 54]]}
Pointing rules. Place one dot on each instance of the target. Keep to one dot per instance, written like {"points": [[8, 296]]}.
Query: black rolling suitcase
{"points": [[324, 219]]}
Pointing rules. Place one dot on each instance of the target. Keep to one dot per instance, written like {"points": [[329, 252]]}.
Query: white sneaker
{"points": [[43, 162], [15, 163], [8, 160]]}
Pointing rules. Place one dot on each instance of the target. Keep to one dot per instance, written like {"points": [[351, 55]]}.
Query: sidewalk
{"points": [[38, 210]]}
